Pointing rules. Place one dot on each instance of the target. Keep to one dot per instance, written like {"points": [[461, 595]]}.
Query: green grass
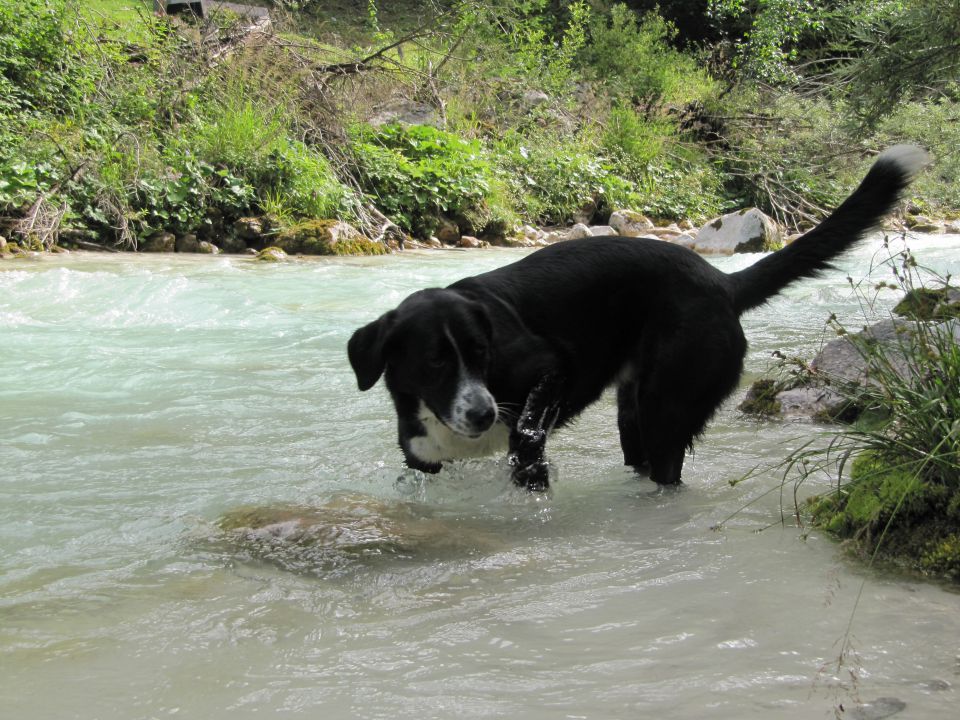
{"points": [[119, 10]]}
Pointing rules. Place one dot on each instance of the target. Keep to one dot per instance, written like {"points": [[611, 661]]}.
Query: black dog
{"points": [[500, 359]]}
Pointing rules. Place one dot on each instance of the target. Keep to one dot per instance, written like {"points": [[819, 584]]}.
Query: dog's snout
{"points": [[482, 416]]}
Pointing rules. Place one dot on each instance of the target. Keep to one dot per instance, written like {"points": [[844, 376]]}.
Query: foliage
{"points": [[527, 41], [417, 173], [793, 158], [634, 59], [903, 51], [38, 63], [774, 29], [552, 176], [116, 123], [934, 125]]}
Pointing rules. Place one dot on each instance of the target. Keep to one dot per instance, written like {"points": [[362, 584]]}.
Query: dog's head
{"points": [[435, 346]]}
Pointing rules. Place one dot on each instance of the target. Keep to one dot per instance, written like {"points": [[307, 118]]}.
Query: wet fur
{"points": [[654, 319]]}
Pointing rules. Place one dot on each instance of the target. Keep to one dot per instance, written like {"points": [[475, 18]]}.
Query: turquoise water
{"points": [[142, 397]]}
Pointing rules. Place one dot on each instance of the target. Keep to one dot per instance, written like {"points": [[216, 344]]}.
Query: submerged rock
{"points": [[877, 709], [349, 527], [271, 254]]}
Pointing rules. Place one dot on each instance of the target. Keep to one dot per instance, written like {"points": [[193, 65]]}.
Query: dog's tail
{"points": [[811, 253]]}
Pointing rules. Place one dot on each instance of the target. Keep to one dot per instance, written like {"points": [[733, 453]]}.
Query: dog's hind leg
{"points": [[691, 375], [665, 438], [628, 421]]}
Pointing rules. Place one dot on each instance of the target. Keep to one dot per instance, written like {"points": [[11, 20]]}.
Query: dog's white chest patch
{"points": [[441, 443]]}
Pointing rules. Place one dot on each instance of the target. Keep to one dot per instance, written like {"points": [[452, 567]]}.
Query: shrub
{"points": [[552, 176], [39, 67], [660, 174], [417, 173], [936, 126], [635, 60]]}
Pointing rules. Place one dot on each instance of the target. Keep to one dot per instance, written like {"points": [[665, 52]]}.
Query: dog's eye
{"points": [[436, 362]]}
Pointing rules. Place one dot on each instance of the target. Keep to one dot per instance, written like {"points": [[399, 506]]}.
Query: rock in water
{"points": [[877, 709], [349, 528]]}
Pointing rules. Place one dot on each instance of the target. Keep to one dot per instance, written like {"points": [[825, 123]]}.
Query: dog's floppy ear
{"points": [[366, 350]]}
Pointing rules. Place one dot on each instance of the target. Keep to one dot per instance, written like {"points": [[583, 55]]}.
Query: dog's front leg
{"points": [[528, 439]]}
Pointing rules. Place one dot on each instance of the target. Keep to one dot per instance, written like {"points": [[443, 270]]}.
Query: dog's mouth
{"points": [[471, 433], [474, 427]]}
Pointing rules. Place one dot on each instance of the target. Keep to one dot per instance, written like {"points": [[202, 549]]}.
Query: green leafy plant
{"points": [[634, 58], [417, 173]]}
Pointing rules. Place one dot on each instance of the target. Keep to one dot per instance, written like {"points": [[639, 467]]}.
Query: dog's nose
{"points": [[482, 417]]}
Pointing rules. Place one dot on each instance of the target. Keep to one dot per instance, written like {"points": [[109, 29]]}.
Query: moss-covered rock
{"points": [[930, 304], [761, 398], [895, 514], [326, 237], [270, 254]]}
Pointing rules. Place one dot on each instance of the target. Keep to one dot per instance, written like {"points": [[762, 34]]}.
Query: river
{"points": [[144, 397]]}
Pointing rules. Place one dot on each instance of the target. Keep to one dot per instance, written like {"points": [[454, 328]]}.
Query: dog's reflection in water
{"points": [[350, 529]]}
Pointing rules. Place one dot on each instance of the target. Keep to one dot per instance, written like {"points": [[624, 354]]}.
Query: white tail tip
{"points": [[910, 158]]}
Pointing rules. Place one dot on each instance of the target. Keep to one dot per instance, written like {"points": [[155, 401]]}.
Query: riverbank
{"points": [[130, 127]]}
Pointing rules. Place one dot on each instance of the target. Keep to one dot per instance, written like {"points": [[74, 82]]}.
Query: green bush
{"points": [[635, 60], [551, 175], [39, 67], [660, 174], [417, 173], [934, 125]]}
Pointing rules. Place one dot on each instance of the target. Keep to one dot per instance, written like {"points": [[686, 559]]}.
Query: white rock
{"points": [[747, 230]]}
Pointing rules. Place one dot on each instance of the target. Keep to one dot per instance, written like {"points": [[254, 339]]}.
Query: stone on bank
{"points": [[326, 237], [744, 231]]}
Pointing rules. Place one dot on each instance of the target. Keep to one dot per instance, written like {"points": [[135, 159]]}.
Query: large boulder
{"points": [[187, 243], [840, 362], [744, 231], [159, 242], [448, 232]]}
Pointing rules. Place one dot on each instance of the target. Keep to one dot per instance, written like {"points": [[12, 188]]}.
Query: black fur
{"points": [[547, 334]]}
